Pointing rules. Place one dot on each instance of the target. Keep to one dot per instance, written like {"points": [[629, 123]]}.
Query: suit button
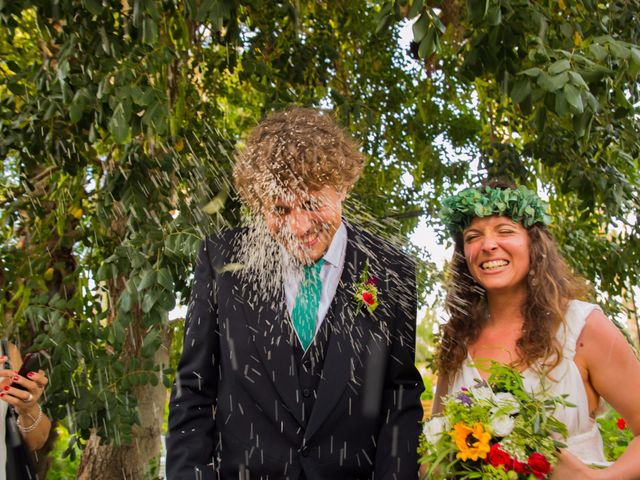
{"points": [[307, 364], [305, 451], [306, 392]]}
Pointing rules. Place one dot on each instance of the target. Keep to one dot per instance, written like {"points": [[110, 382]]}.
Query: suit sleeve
{"points": [[401, 409], [190, 437]]}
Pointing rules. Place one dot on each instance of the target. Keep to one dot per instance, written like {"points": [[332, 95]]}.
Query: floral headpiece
{"points": [[520, 204]]}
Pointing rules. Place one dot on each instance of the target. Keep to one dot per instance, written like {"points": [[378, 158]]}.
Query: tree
{"points": [[554, 87], [118, 120]]}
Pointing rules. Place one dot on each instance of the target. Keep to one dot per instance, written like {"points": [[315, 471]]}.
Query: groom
{"points": [[300, 363]]}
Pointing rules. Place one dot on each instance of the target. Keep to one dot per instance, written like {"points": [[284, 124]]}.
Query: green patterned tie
{"points": [[305, 310]]}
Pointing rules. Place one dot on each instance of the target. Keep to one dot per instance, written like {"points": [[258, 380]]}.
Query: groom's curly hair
{"points": [[293, 151], [550, 286]]}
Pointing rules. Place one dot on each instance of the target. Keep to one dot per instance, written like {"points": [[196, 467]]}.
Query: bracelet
{"points": [[34, 425]]}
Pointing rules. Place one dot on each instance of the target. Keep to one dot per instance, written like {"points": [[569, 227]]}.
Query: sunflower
{"points": [[473, 442]]}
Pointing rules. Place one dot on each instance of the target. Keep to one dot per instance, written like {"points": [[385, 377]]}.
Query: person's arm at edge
{"points": [[36, 438], [401, 426], [191, 426], [442, 388]]}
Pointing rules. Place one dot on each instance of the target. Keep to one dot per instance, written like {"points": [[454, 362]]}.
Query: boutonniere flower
{"points": [[367, 290]]}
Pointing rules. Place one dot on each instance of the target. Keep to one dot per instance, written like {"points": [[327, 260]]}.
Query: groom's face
{"points": [[304, 223]]}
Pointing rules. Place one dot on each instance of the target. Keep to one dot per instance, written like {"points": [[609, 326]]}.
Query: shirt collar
{"points": [[334, 253]]}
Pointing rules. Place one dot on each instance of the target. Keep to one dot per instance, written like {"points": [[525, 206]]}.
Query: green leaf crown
{"points": [[520, 204]]}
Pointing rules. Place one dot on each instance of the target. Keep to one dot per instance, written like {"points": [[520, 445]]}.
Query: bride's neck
{"points": [[506, 308]]}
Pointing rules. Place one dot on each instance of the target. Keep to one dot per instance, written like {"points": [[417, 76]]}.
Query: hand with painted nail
{"points": [[21, 388], [23, 392]]}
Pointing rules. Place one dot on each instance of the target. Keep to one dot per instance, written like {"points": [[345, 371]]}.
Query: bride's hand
{"points": [[569, 467]]}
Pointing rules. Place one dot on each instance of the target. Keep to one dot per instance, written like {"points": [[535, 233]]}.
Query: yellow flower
{"points": [[473, 442]]}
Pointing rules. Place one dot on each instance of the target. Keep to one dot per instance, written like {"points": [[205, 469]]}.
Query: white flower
{"points": [[507, 403], [482, 393], [501, 425], [434, 427]]}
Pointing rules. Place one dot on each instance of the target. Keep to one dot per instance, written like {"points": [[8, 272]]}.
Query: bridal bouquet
{"points": [[494, 430]]}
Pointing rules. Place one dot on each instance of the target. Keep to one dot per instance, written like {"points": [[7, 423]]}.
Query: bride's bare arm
{"points": [[613, 372]]}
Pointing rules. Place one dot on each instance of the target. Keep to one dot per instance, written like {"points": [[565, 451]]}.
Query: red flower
{"points": [[539, 465], [519, 467], [372, 281], [497, 457], [367, 297], [621, 424]]}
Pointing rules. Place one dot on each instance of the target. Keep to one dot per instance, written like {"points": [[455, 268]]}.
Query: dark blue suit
{"points": [[248, 403]]}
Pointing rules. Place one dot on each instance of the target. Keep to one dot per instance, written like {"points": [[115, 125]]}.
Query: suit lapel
{"points": [[341, 356]]}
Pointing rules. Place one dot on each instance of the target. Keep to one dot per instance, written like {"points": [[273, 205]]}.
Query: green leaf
{"points": [[148, 279], [561, 106], [167, 302], [165, 279], [577, 80], [435, 20], [634, 67], [415, 8], [531, 72], [559, 67], [592, 101], [551, 84], [420, 28], [125, 301], [427, 46], [598, 51], [94, 6], [149, 31], [573, 96], [520, 90], [619, 51], [581, 123], [62, 71], [118, 332], [118, 126], [150, 343], [383, 16], [104, 272], [494, 15], [77, 105], [150, 298], [477, 9]]}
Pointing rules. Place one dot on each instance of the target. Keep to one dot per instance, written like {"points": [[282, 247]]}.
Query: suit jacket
{"points": [[236, 408]]}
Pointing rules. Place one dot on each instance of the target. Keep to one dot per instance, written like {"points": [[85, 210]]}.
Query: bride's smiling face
{"points": [[496, 250], [305, 223]]}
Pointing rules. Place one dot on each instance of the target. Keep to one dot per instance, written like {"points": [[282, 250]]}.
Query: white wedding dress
{"points": [[584, 439]]}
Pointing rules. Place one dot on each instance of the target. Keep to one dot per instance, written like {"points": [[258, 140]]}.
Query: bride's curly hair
{"points": [[550, 286]]}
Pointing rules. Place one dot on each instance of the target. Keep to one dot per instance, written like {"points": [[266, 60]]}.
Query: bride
{"points": [[512, 299]]}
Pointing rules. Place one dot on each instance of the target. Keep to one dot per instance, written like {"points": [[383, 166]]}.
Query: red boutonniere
{"points": [[367, 290]]}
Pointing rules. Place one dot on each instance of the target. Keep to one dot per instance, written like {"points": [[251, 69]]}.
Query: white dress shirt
{"points": [[329, 275]]}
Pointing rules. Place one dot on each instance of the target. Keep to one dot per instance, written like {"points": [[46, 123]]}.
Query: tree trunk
{"points": [[131, 462]]}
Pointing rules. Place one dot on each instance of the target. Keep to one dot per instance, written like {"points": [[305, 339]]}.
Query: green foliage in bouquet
{"points": [[495, 430]]}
